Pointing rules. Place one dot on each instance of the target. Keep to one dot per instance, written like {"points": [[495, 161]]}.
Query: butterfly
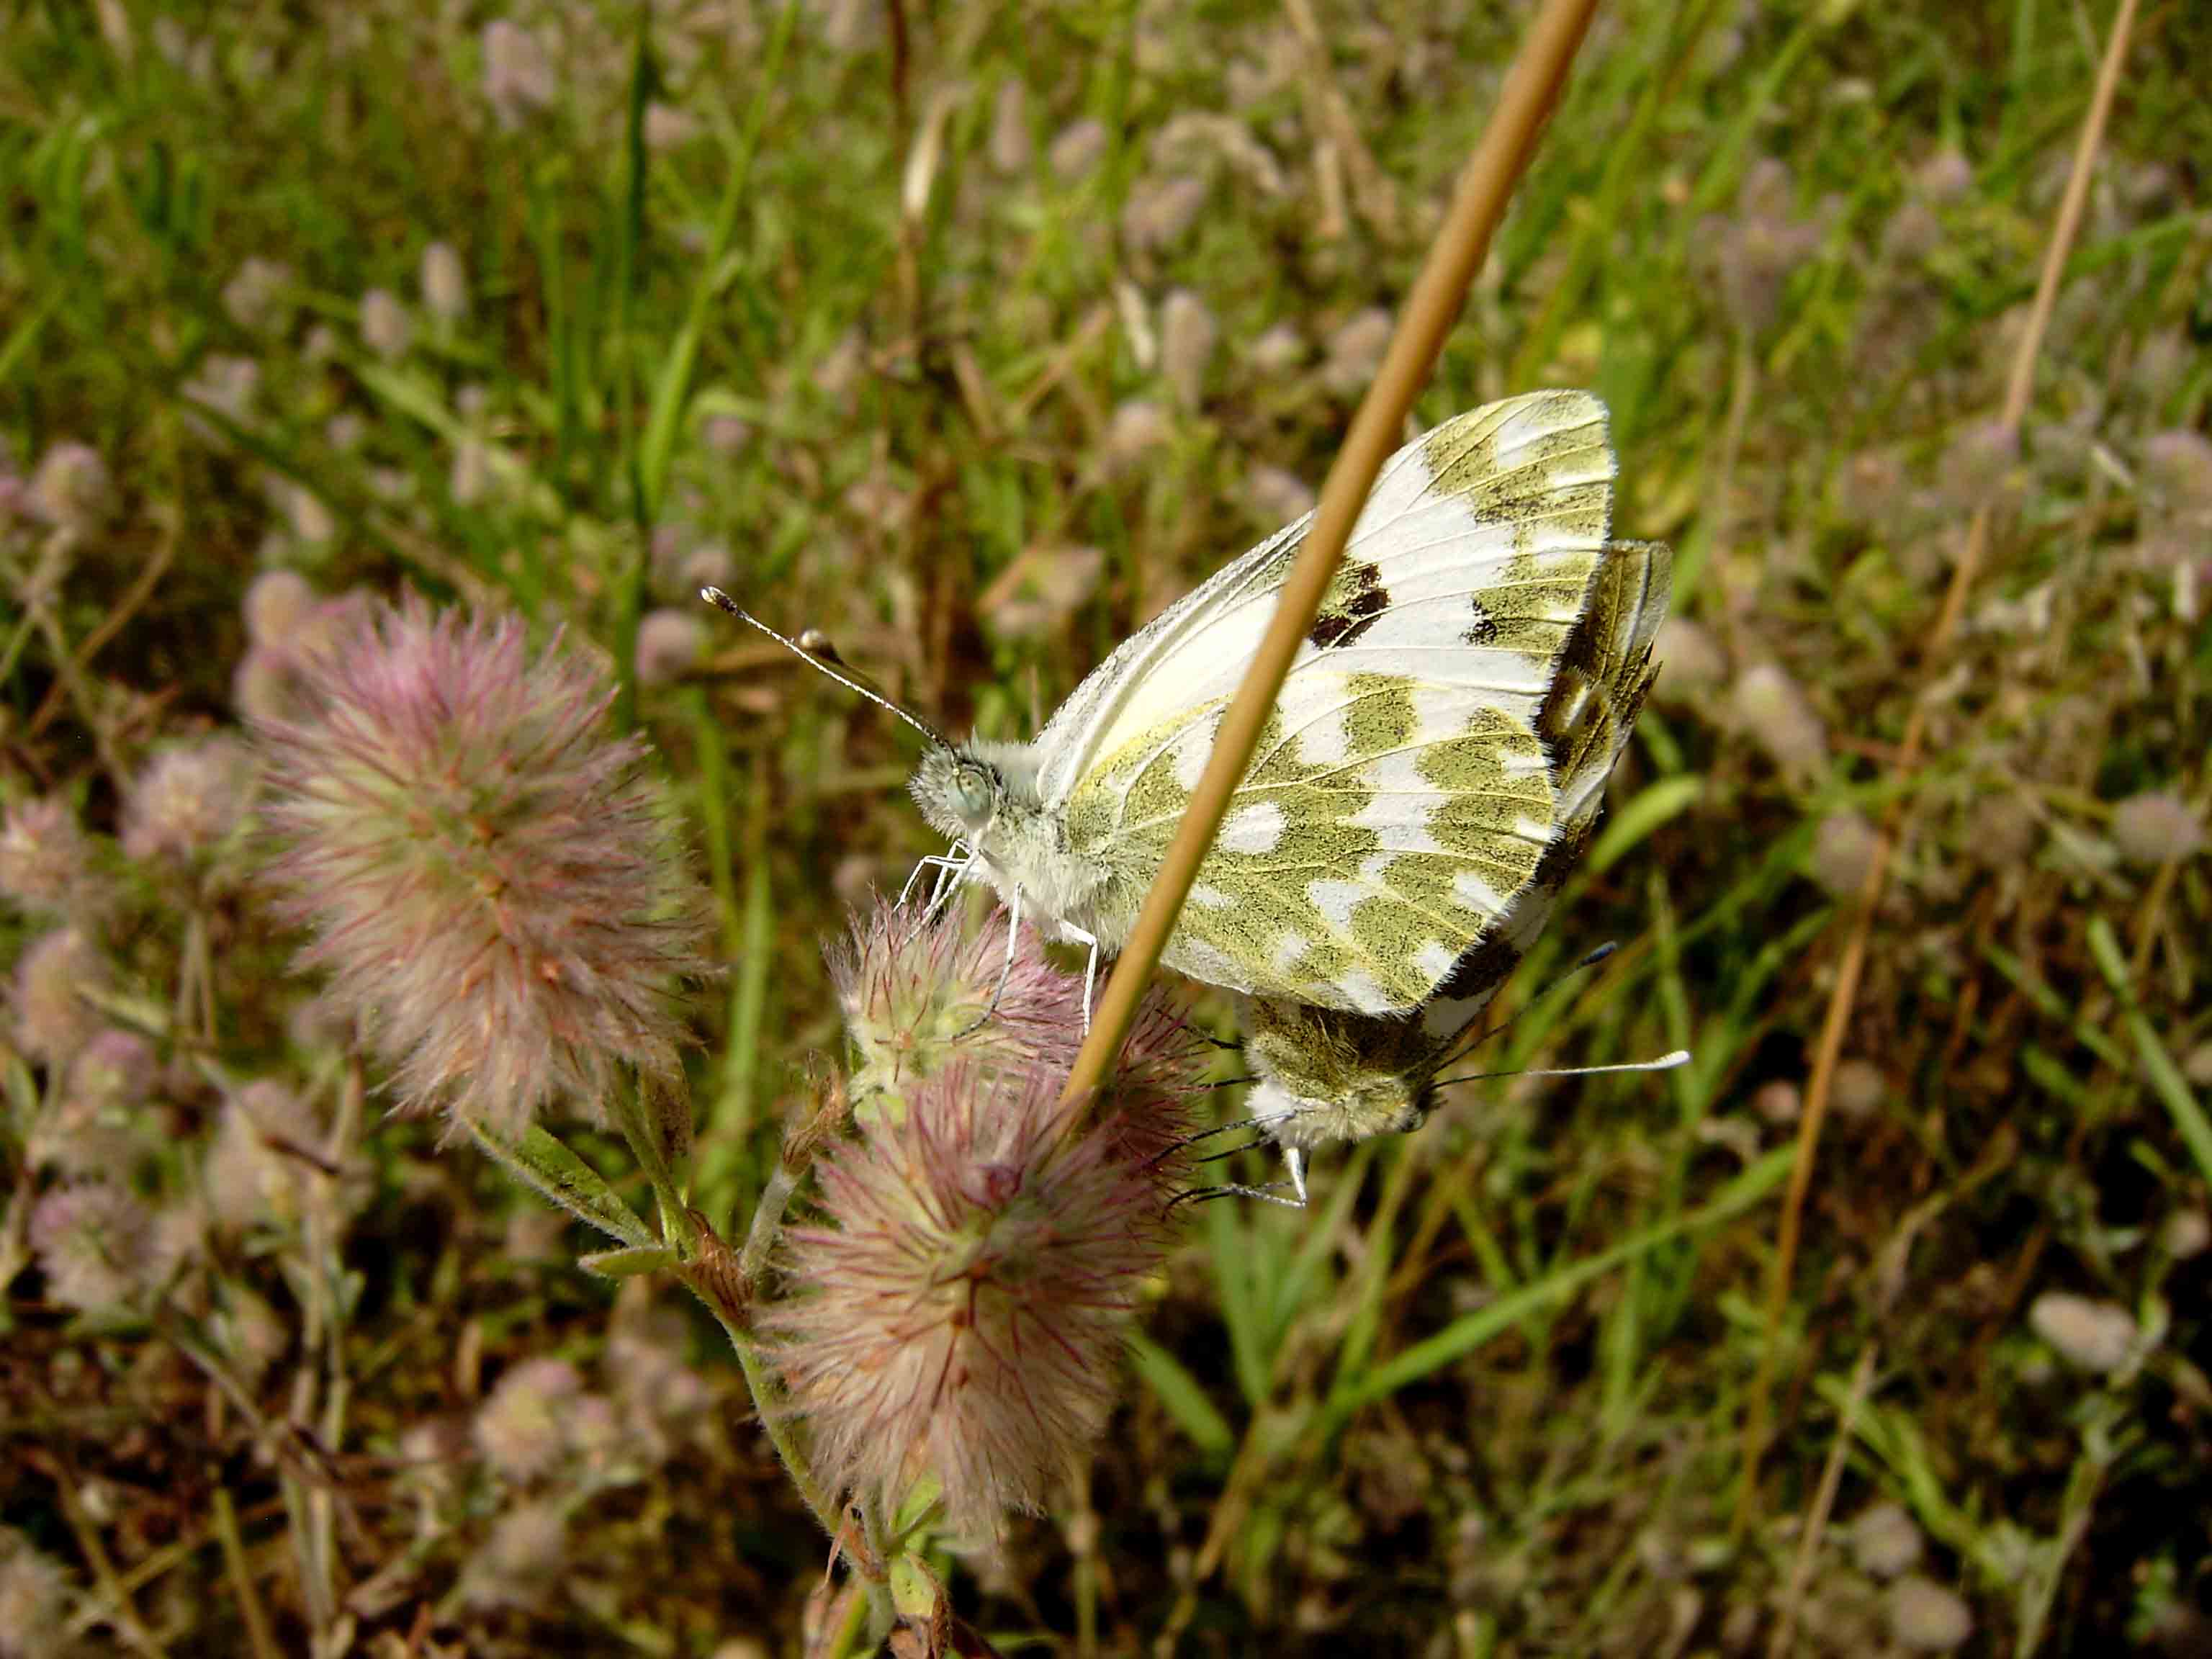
{"points": [[1401, 794], [1324, 1074]]}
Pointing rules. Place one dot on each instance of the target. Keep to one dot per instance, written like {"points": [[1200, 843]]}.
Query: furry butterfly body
{"points": [[1401, 795]]}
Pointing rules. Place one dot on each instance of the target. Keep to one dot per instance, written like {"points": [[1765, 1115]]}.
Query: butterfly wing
{"points": [[1401, 793], [1605, 673]]}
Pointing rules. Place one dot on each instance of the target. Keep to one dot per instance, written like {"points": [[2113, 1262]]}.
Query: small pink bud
{"points": [[71, 488], [35, 1599], [1160, 213], [2155, 826], [385, 328], [521, 1558], [1355, 352], [1277, 496], [53, 1020], [1278, 351], [1011, 146], [523, 1429], [256, 296], [444, 282], [2090, 1335], [670, 643], [1079, 149], [1188, 335], [1692, 662], [518, 76], [116, 1068], [1774, 711], [258, 1167], [1844, 847], [277, 606], [187, 800]]}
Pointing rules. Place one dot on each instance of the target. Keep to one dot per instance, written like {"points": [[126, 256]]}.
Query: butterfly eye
{"points": [[971, 793]]}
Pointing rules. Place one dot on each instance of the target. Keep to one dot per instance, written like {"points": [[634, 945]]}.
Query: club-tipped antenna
{"points": [[1664, 1063], [825, 660], [1512, 1019]]}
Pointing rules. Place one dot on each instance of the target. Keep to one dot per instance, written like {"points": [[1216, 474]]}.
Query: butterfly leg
{"points": [[951, 865], [951, 871], [1005, 973], [1270, 1193], [1076, 935]]}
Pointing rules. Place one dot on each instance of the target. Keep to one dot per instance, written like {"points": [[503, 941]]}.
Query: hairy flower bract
{"points": [[481, 865]]}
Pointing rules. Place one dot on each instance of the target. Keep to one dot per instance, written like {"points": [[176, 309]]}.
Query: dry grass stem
{"points": [[1851, 964]]}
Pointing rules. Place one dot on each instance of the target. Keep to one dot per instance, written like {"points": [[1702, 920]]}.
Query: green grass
{"points": [[1487, 1390]]}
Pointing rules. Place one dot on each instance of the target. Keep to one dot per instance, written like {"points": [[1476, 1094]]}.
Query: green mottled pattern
{"points": [[1255, 920]]}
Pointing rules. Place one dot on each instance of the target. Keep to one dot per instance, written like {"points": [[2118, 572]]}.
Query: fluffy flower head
{"points": [[187, 800], [524, 1428], [481, 865], [53, 1020], [960, 1313], [45, 857], [914, 993], [97, 1245]]}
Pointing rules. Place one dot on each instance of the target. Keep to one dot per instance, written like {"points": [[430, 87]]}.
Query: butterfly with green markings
{"points": [[1326, 1074], [1401, 794]]}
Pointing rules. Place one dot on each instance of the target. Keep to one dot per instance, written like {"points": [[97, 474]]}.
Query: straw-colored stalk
{"points": [[1933, 665]]}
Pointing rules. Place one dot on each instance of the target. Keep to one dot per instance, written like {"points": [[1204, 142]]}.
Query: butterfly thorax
{"points": [[1339, 1076], [986, 795]]}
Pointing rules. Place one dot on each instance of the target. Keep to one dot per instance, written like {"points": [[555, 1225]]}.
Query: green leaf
{"points": [[557, 1175], [632, 1262], [1185, 1401]]}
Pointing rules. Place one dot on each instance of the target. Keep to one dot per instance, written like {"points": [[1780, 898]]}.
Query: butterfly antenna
{"points": [[1664, 1063], [1514, 1019], [824, 659]]}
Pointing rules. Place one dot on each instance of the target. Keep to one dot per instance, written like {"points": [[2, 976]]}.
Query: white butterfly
{"points": [[1400, 795]]}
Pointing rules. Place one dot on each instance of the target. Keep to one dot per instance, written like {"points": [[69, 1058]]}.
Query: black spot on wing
{"points": [[1483, 630], [1355, 598]]}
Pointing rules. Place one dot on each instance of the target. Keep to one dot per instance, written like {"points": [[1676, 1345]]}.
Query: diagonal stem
{"points": [[1851, 964], [1530, 92]]}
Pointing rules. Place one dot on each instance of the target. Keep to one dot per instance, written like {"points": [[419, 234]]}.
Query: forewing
{"points": [[1399, 796], [1473, 541]]}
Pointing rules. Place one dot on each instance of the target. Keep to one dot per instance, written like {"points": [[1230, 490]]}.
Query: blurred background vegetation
{"points": [[974, 335]]}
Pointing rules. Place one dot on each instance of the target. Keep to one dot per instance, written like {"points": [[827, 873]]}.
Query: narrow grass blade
{"points": [[1463, 1336], [1180, 1396], [2165, 1077]]}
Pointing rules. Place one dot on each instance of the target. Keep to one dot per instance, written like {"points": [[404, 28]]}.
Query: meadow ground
{"points": [[974, 336]]}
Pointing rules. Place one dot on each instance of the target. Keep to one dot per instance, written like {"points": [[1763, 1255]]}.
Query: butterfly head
{"points": [[958, 792]]}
